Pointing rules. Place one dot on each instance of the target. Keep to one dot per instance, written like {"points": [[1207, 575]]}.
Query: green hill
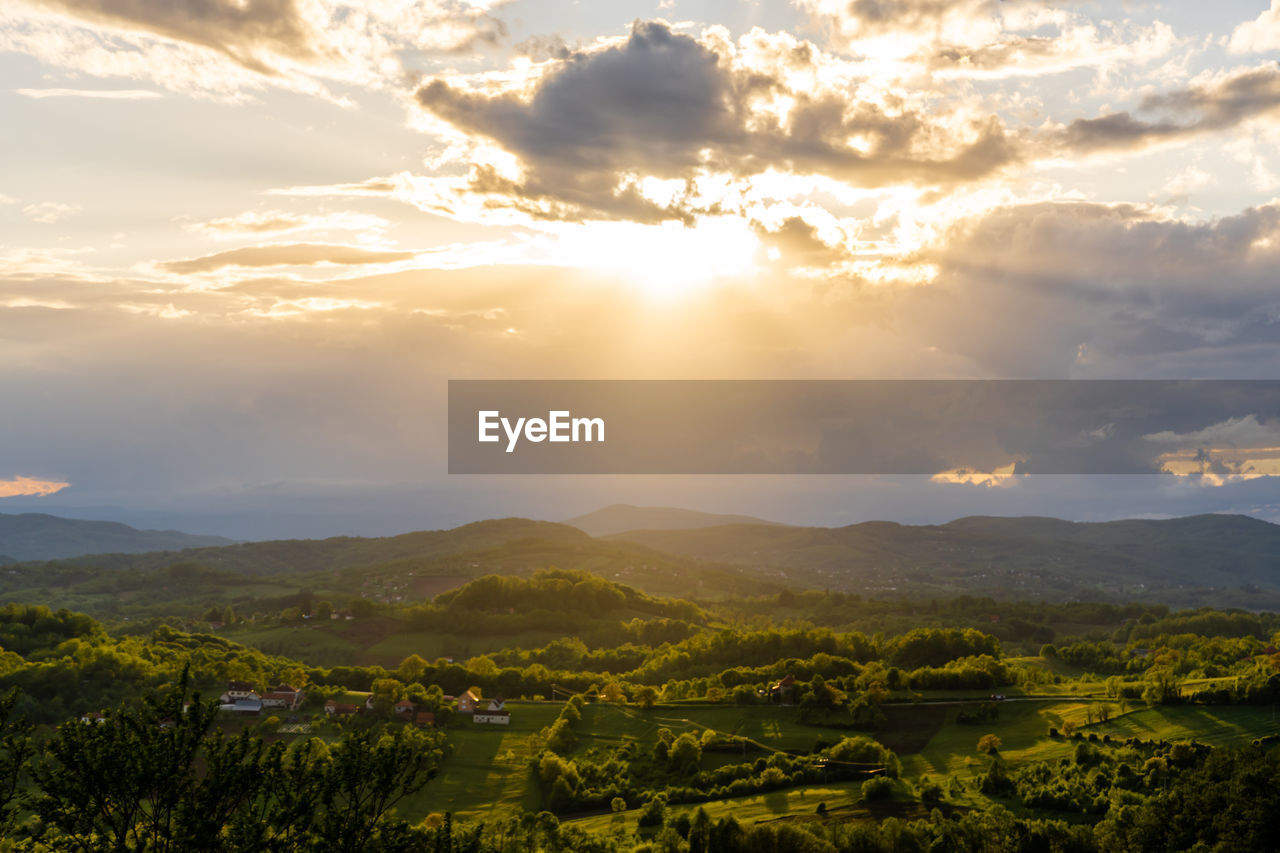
{"points": [[299, 556], [1008, 557], [37, 536], [620, 518]]}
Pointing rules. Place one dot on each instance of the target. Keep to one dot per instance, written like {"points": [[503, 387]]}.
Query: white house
{"points": [[497, 718]]}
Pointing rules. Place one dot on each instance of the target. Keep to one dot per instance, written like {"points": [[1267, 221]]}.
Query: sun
{"points": [[665, 260]]}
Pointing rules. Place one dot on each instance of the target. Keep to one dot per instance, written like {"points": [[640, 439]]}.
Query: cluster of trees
{"points": [[504, 603], [158, 776], [670, 771]]}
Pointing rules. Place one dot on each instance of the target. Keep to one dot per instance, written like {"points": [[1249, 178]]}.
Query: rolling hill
{"points": [[1009, 557], [621, 518], [1218, 560], [37, 536]]}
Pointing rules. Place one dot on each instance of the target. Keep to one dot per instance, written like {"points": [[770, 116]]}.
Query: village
{"points": [[243, 698]]}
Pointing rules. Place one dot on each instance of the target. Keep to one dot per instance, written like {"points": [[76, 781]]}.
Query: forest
{"points": [[791, 720]]}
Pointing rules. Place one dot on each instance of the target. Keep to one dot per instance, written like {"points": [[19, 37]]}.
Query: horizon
{"points": [[100, 514]]}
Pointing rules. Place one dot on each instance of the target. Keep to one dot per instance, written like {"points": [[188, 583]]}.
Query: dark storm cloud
{"points": [[663, 104]]}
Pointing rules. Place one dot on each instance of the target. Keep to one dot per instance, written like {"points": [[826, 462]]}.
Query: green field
{"points": [[755, 809], [313, 644], [486, 771], [431, 645], [1218, 725]]}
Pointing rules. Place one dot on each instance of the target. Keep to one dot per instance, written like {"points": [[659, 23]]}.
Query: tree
{"points": [[646, 697], [367, 775], [411, 668], [15, 750], [989, 744], [155, 777], [685, 752], [130, 782]]}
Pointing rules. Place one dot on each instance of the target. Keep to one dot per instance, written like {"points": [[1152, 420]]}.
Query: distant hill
{"points": [[302, 556], [1006, 557], [37, 536], [620, 518], [1217, 560], [411, 568]]}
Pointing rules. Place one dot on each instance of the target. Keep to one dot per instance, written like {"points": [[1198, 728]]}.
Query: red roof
{"points": [[341, 707]]}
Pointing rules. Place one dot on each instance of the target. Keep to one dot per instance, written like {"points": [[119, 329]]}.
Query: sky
{"points": [[245, 243]]}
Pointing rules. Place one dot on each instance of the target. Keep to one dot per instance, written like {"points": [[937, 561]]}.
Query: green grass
{"points": [[486, 773], [746, 810], [314, 644], [1023, 728], [435, 644], [774, 727], [1218, 725]]}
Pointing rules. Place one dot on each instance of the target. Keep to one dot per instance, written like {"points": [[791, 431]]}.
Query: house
{"points": [[468, 702], [93, 717], [251, 705], [492, 716], [283, 696], [340, 709], [424, 719], [405, 707], [238, 690], [782, 690]]}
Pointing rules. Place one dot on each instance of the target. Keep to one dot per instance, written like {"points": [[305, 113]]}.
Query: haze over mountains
{"points": [[1208, 559], [37, 536], [620, 518]]}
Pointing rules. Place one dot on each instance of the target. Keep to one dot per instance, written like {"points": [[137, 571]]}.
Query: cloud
{"points": [[1260, 35], [1246, 431], [984, 38], [293, 254], [229, 48], [30, 486], [660, 104], [254, 34], [369, 188], [280, 222], [107, 94], [1083, 289], [1217, 104], [49, 212]]}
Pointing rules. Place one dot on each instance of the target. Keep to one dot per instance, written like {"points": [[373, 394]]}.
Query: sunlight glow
{"points": [[662, 260]]}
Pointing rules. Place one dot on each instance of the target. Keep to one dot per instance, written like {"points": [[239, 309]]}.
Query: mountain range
{"points": [[1224, 560], [621, 518], [37, 536]]}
